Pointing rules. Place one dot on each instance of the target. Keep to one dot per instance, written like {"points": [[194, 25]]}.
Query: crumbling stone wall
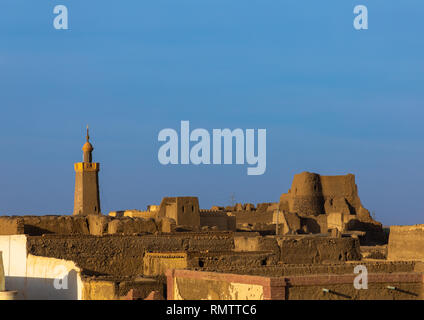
{"points": [[157, 263], [318, 198], [220, 220], [327, 268], [84, 225], [248, 242], [302, 249], [122, 255], [406, 242], [132, 226], [11, 225], [313, 194], [319, 250], [38, 225], [241, 260], [253, 217]]}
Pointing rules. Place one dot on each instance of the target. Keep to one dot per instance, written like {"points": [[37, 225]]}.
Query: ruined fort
{"points": [[305, 245]]}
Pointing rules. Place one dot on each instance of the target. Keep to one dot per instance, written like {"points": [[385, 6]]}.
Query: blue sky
{"points": [[333, 100]]}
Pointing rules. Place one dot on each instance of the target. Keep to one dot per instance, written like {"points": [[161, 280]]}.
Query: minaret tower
{"points": [[87, 200]]}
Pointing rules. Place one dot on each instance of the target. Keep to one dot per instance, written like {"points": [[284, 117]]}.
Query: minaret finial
{"points": [[88, 136]]}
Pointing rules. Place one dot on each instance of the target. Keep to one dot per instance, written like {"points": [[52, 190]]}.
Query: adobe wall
{"points": [[305, 196], [11, 225], [253, 217], [346, 291], [248, 207], [140, 288], [220, 220], [406, 243], [132, 226], [134, 214], [327, 268], [302, 249], [319, 250], [122, 255], [84, 225], [240, 260], [94, 289], [190, 285], [184, 210], [106, 288], [314, 224], [156, 263], [344, 186]]}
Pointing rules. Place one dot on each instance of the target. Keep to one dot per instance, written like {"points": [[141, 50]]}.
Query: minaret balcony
{"points": [[87, 166]]}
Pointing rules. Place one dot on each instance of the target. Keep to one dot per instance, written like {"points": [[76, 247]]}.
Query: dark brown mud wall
{"points": [[121, 255], [70, 225], [375, 291], [301, 249], [308, 269], [319, 250], [11, 225], [253, 217]]}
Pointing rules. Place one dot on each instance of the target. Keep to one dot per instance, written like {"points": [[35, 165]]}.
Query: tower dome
{"points": [[87, 148]]}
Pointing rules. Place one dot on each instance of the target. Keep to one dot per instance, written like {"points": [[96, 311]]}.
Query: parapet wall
{"points": [[406, 243], [280, 270], [11, 225], [191, 285], [84, 225], [253, 217], [300, 249]]}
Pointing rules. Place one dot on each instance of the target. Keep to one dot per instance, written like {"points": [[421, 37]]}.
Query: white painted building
{"points": [[36, 277]]}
